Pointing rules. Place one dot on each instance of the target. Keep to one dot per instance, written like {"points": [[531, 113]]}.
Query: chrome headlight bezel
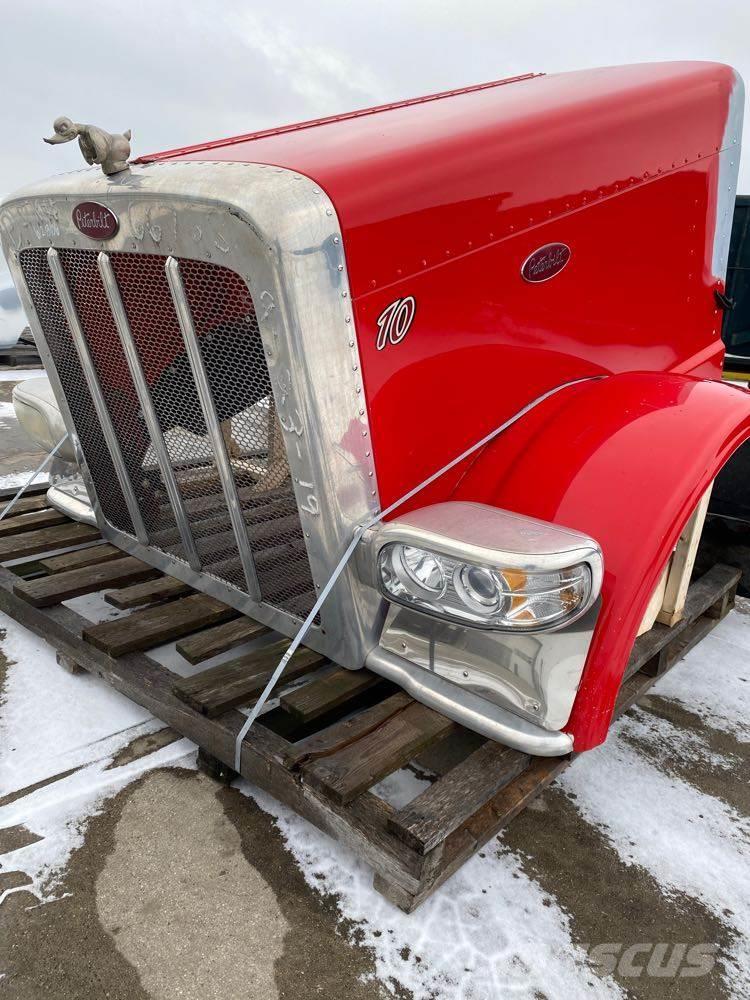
{"points": [[479, 548]]}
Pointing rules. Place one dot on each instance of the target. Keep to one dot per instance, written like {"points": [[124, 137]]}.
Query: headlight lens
{"points": [[423, 568], [493, 597], [480, 589], [412, 571]]}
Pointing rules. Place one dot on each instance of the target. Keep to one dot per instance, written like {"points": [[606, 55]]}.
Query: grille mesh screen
{"points": [[56, 332], [232, 352]]}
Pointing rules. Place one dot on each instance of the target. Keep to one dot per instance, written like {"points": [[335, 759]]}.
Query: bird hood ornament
{"points": [[111, 152]]}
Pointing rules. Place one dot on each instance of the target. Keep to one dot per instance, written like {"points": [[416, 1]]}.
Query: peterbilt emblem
{"points": [[395, 320], [545, 262], [111, 152], [95, 221]]}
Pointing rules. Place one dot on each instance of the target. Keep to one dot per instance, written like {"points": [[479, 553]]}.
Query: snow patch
{"points": [[689, 841], [52, 721], [57, 813], [490, 932], [21, 374], [667, 742], [714, 678], [15, 479]]}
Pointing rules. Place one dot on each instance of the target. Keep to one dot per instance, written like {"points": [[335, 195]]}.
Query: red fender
{"points": [[625, 460]]}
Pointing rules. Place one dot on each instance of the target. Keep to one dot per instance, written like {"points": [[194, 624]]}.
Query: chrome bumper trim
{"points": [[79, 508], [475, 713]]}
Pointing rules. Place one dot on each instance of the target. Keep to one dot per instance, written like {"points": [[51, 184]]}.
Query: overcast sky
{"points": [[178, 71]]}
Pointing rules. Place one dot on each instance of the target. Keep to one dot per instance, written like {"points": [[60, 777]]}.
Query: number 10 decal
{"points": [[395, 320]]}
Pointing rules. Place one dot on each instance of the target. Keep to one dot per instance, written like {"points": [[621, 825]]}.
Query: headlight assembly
{"points": [[488, 568], [485, 596]]}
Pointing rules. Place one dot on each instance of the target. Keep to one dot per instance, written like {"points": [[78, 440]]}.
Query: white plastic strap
{"points": [[9, 507], [359, 531]]}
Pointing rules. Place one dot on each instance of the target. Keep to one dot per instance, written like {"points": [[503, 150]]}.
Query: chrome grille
{"points": [[183, 505]]}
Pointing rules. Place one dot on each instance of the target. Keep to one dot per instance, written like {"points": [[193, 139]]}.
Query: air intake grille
{"points": [[232, 356]]}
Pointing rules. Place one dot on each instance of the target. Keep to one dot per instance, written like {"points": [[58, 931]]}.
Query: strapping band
{"points": [[9, 506], [360, 530]]}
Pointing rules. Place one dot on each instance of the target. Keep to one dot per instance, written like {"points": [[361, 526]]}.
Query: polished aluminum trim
{"points": [[468, 709], [92, 380], [213, 428], [535, 675], [280, 232], [147, 408], [74, 505]]}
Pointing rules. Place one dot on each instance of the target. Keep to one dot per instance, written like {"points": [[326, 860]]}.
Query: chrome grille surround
{"points": [[275, 239]]}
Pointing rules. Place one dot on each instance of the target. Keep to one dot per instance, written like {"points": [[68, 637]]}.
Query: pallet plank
{"points": [[18, 522], [327, 693], [60, 587], [351, 771], [31, 543], [703, 593], [26, 505], [445, 805], [446, 858], [341, 734], [35, 490], [219, 639], [155, 626], [636, 686], [141, 595], [81, 557], [214, 691]]}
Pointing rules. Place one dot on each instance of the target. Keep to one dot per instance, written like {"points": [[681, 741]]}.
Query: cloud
{"points": [[177, 71]]}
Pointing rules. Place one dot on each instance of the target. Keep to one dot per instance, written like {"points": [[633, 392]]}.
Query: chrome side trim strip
{"points": [[475, 713], [92, 380], [223, 466], [147, 407]]}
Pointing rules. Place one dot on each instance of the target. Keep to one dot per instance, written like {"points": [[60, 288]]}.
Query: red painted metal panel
{"points": [[419, 183], [636, 295]]}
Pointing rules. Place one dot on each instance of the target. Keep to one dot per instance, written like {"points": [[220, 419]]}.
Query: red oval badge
{"points": [[545, 262], [95, 221]]}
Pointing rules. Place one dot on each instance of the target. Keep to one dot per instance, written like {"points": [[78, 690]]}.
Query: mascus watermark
{"points": [[648, 959]]}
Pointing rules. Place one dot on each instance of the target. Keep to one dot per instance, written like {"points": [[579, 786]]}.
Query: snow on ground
{"points": [[714, 678], [7, 413], [20, 374], [13, 479], [85, 717], [688, 840], [492, 930], [50, 723]]}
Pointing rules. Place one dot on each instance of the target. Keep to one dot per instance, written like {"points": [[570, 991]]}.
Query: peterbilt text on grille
{"points": [[259, 345]]}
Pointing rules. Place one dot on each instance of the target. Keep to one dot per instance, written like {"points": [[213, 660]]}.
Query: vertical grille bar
{"points": [[92, 380], [213, 426], [114, 298]]}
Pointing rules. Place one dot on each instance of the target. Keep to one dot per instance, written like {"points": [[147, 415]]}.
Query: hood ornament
{"points": [[111, 152]]}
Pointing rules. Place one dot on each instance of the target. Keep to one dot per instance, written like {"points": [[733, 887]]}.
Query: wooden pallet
{"points": [[334, 735]]}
